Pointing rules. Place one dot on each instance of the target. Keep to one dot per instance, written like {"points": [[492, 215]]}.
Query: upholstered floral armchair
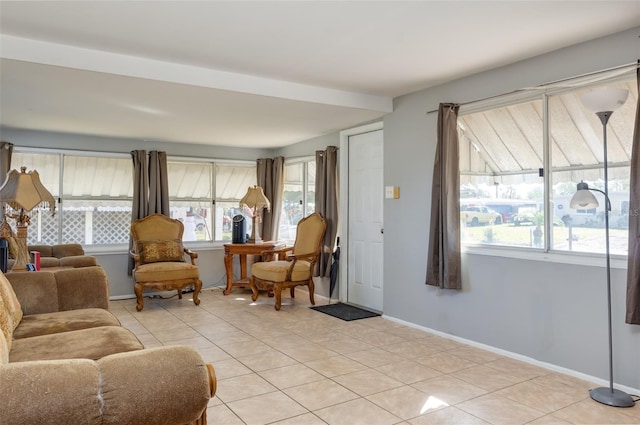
{"points": [[160, 258]]}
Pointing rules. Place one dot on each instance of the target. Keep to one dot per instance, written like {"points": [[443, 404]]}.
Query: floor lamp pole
{"points": [[609, 396]]}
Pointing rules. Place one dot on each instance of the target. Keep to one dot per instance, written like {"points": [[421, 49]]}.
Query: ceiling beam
{"points": [[28, 50]]}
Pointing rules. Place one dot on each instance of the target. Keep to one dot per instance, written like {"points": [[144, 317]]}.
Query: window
{"points": [[524, 155], [298, 199], [190, 193], [577, 139], [96, 198], [96, 194]]}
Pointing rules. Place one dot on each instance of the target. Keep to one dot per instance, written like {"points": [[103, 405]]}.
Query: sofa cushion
{"points": [[44, 250], [10, 299], [93, 343], [160, 250], [38, 292], [64, 321], [79, 288]]}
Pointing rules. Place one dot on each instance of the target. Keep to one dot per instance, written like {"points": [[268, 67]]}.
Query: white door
{"points": [[365, 238]]}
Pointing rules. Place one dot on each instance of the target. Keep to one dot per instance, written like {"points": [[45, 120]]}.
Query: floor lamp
{"points": [[603, 103]]}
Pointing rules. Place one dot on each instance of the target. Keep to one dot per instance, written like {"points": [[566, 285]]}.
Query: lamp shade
{"points": [[605, 100], [255, 199], [583, 198], [24, 190]]}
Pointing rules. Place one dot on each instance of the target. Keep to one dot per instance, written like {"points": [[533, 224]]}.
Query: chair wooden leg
{"points": [[293, 291], [140, 301], [179, 293], [277, 289], [312, 289], [254, 289], [196, 292]]}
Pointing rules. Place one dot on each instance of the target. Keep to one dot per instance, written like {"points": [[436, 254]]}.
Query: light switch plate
{"points": [[391, 192], [388, 192]]}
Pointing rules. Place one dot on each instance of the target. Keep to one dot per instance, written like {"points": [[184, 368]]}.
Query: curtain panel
{"points": [[140, 206], [633, 266], [6, 150], [444, 260], [271, 180], [327, 204], [158, 184]]}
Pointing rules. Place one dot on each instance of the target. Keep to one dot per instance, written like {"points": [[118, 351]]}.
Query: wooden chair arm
{"points": [[136, 258], [192, 255], [293, 258]]}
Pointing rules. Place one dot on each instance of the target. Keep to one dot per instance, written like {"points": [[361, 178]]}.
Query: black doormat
{"points": [[344, 311]]}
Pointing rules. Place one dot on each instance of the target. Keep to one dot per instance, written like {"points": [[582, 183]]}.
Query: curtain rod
{"points": [[628, 65]]}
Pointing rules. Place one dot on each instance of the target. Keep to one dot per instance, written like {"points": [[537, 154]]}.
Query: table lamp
{"points": [[23, 192], [255, 200]]}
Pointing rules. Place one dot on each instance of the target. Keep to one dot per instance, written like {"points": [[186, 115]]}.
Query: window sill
{"points": [[121, 249], [582, 258]]}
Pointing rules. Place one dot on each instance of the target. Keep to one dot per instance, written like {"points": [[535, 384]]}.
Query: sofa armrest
{"points": [[169, 385], [69, 289]]}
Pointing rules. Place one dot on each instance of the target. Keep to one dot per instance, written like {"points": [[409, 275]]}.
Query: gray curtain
{"points": [[6, 150], [140, 207], [443, 261], [271, 180], [633, 266], [327, 203], [158, 184]]}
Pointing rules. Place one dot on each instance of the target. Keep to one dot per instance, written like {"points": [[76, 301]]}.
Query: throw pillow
{"points": [[6, 325], [160, 251], [11, 303]]}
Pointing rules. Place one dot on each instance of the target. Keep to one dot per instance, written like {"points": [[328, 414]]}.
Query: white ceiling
{"points": [[263, 73]]}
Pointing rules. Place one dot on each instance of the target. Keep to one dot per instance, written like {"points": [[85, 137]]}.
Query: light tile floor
{"points": [[299, 366]]}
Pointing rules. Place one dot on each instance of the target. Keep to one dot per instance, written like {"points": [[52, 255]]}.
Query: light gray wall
{"points": [[550, 312], [309, 147], [40, 139]]}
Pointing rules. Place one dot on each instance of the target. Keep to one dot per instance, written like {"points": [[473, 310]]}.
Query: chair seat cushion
{"points": [[276, 271], [165, 271], [93, 343], [63, 321]]}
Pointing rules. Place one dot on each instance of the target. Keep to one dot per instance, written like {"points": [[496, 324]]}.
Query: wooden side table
{"points": [[243, 249]]}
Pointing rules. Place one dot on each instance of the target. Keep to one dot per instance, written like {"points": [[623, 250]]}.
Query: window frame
{"points": [[117, 248], [544, 93]]}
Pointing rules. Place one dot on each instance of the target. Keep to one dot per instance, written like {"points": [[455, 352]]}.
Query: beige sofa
{"points": [[65, 359], [63, 255]]}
